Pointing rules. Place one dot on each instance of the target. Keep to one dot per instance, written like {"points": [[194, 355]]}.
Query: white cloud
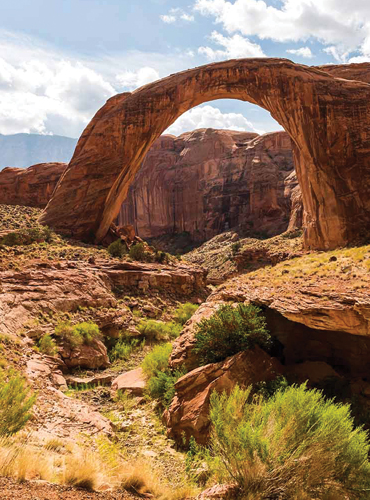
{"points": [[33, 95], [235, 46], [339, 55], [187, 17], [130, 80], [168, 19], [302, 52], [210, 117], [177, 14], [332, 22]]}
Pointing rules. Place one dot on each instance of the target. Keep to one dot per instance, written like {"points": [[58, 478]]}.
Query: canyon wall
{"points": [[208, 181], [32, 186]]}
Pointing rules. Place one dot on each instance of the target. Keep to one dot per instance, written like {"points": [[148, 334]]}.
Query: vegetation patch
{"points": [[79, 334], [230, 330], [154, 330]]}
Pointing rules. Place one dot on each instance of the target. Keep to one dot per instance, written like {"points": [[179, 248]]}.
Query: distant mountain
{"points": [[23, 150]]}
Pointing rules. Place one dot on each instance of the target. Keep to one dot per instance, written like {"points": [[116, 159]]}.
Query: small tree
{"points": [[117, 249], [137, 252], [16, 401], [229, 331]]}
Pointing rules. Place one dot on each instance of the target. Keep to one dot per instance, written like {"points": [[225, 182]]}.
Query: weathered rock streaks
{"points": [[207, 181], [327, 119]]}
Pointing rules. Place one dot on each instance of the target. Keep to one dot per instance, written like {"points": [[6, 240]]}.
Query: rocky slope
{"points": [[207, 181]]}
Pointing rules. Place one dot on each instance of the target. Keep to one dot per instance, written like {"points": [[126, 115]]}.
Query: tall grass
{"points": [[295, 443]]}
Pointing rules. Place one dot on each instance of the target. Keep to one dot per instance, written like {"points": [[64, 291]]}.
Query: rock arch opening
{"points": [[327, 119]]}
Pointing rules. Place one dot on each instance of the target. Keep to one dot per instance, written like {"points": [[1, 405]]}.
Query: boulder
{"points": [[95, 380], [313, 371], [220, 492], [188, 414], [133, 382], [93, 355]]}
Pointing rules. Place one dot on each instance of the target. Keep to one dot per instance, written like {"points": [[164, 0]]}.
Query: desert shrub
{"points": [[269, 387], [185, 312], [161, 257], [82, 470], [157, 360], [76, 335], [16, 401], [137, 252], [47, 345], [158, 330], [123, 348], [162, 385], [296, 444], [117, 249], [235, 247], [27, 236], [229, 331]]}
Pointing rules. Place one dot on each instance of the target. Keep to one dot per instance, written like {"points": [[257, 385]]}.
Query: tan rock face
{"points": [[327, 118], [189, 411], [32, 186], [207, 181], [132, 382]]}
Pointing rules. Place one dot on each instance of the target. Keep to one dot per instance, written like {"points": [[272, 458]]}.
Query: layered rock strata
{"points": [[208, 181], [327, 118], [32, 187]]}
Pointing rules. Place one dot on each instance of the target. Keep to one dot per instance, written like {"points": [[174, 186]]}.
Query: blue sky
{"points": [[61, 59]]}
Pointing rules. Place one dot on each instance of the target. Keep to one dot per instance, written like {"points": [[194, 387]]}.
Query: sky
{"points": [[60, 60]]}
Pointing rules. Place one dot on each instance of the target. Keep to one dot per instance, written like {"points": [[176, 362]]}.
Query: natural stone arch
{"points": [[327, 119]]}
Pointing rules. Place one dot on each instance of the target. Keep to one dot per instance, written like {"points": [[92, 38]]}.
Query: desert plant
{"points": [[162, 385], [229, 331], [16, 401], [157, 360], [137, 252], [158, 330], [235, 247], [296, 444], [27, 236], [47, 345], [184, 312], [117, 249], [76, 335], [81, 470], [123, 348]]}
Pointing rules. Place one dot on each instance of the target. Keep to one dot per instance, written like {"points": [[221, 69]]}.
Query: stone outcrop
{"points": [[92, 356], [208, 181], [32, 186], [317, 317], [327, 118], [132, 382], [64, 287], [188, 414]]}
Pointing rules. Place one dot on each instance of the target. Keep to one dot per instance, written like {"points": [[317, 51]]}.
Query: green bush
{"points": [[185, 312], [229, 331], [47, 345], [157, 360], [158, 330], [162, 386], [137, 252], [235, 247], [16, 401], [27, 236], [123, 349], [117, 249], [296, 444], [76, 335]]}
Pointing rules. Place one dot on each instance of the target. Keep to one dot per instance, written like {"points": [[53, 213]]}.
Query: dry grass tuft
{"points": [[82, 470]]}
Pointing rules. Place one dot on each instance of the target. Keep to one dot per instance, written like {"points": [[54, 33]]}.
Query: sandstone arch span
{"points": [[327, 118]]}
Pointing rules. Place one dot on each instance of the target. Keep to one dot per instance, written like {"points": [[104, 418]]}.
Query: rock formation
{"points": [[207, 181], [188, 414], [327, 119], [31, 187]]}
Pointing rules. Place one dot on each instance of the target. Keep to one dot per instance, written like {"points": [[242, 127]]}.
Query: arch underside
{"points": [[326, 117]]}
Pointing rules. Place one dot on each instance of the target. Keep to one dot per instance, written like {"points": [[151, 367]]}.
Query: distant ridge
{"points": [[23, 150]]}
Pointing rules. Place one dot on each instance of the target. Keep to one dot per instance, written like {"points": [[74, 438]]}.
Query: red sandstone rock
{"points": [[93, 355], [32, 186], [327, 118], [207, 181], [189, 411], [133, 382], [220, 492]]}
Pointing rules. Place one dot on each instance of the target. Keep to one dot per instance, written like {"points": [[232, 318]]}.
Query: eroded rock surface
{"points": [[188, 414], [327, 118], [32, 186], [207, 181]]}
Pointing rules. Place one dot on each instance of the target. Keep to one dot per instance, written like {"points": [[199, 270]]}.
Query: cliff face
{"points": [[31, 187], [207, 181]]}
